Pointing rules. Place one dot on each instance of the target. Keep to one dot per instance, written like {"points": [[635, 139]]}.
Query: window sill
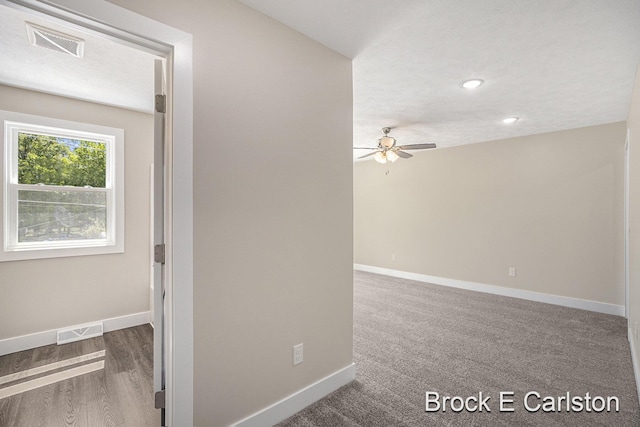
{"points": [[47, 252]]}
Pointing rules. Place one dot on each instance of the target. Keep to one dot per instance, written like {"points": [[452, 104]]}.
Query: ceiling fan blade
{"points": [[417, 146], [367, 155], [365, 148], [403, 154]]}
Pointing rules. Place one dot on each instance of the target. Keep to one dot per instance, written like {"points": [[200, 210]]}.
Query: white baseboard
{"points": [[128, 321], [600, 307], [39, 339], [634, 360], [296, 402]]}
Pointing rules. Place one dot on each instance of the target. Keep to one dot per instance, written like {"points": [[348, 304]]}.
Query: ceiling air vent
{"points": [[55, 40]]}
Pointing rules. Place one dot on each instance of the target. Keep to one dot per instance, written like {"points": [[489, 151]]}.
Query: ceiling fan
{"points": [[388, 151]]}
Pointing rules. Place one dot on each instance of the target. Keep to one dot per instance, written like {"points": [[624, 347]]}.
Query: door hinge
{"points": [[158, 253], [160, 399], [161, 103]]}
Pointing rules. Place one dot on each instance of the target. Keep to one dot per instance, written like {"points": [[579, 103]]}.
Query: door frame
{"points": [[626, 226], [128, 27]]}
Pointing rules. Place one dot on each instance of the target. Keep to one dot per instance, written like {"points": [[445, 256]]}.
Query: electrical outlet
{"points": [[297, 354], [393, 257], [512, 271]]}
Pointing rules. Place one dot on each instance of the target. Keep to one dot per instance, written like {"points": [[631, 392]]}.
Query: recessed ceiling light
{"points": [[472, 84], [510, 120]]}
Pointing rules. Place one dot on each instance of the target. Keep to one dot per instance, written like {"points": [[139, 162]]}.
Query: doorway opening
{"points": [[129, 29]]}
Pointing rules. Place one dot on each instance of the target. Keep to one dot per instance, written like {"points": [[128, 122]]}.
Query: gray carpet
{"points": [[410, 338]]}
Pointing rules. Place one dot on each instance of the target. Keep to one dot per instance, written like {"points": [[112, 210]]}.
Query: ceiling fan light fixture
{"points": [[380, 157], [387, 141], [388, 151], [510, 120], [472, 84]]}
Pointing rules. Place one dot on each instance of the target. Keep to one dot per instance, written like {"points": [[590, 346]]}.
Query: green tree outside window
{"points": [[44, 159]]}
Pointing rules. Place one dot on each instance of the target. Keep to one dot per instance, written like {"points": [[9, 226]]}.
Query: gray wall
{"points": [[272, 206], [39, 295], [550, 205]]}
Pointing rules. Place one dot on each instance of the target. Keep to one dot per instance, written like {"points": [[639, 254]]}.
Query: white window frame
{"points": [[113, 138]]}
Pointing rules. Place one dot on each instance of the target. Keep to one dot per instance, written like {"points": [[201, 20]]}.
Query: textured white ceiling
{"points": [[556, 64], [109, 73]]}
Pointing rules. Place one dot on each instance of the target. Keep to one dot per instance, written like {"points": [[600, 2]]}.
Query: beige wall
{"points": [[39, 295], [272, 205], [633, 123], [550, 205]]}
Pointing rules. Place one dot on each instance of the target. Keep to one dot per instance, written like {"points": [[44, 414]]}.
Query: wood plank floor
{"points": [[121, 394]]}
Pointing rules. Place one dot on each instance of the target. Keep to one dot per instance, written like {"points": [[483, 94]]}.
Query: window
{"points": [[63, 188]]}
